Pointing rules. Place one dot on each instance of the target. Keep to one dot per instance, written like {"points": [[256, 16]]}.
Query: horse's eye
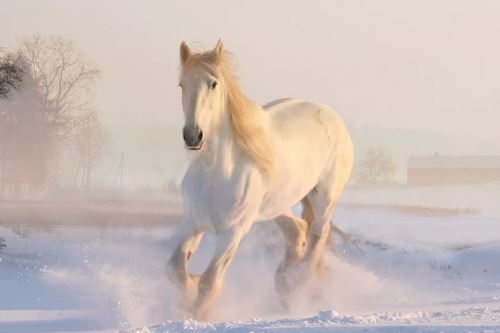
{"points": [[214, 84]]}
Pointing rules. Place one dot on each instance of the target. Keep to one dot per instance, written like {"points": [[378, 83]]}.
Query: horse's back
{"points": [[303, 112], [290, 105], [297, 117], [277, 102]]}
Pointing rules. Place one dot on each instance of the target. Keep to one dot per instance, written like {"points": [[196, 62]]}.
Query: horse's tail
{"points": [[336, 230]]}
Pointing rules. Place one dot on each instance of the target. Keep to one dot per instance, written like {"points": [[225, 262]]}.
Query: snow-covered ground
{"points": [[420, 259]]}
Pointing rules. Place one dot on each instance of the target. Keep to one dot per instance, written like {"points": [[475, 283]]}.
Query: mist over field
{"points": [[423, 71], [92, 156]]}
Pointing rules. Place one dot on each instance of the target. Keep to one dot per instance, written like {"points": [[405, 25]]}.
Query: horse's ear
{"points": [[185, 52], [218, 51]]}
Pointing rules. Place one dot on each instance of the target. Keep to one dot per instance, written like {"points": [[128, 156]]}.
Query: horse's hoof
{"points": [[197, 313], [285, 303]]}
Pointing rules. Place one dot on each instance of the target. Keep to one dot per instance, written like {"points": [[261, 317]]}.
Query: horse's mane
{"points": [[249, 130]]}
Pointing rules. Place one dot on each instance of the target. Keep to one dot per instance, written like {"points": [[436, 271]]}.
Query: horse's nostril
{"points": [[200, 136]]}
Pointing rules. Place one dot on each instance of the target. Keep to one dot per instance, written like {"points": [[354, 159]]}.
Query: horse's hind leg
{"points": [[294, 231], [188, 240], [322, 204]]}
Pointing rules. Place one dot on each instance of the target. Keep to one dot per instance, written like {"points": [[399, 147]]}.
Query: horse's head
{"points": [[202, 93], [210, 95]]}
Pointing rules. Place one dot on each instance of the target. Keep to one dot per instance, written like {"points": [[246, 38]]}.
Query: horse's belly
{"points": [[298, 172], [287, 192]]}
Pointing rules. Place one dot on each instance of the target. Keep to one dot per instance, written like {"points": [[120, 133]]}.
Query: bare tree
{"points": [[89, 141], [48, 115], [376, 166], [65, 79]]}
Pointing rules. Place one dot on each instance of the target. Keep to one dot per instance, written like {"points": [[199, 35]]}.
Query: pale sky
{"points": [[427, 65]]}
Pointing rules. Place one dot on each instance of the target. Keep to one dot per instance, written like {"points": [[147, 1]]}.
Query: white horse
{"points": [[253, 163]]}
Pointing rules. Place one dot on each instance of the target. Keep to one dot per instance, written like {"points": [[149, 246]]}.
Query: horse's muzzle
{"points": [[193, 137]]}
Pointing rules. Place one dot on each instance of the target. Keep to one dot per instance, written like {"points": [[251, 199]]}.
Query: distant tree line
{"points": [[46, 116]]}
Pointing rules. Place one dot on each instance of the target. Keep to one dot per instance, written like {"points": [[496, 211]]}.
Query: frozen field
{"points": [[428, 260]]}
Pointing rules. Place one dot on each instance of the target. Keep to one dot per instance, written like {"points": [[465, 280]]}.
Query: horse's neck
{"points": [[222, 151]]}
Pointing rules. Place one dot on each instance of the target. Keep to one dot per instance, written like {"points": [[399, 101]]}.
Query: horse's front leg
{"points": [[227, 242], [188, 238]]}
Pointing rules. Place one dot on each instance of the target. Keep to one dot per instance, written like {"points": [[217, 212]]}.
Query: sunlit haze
{"points": [[426, 71]]}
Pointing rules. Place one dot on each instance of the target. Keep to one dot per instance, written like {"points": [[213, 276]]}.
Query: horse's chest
{"points": [[213, 199], [206, 195]]}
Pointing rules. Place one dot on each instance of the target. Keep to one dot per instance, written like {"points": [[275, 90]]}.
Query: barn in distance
{"points": [[452, 169]]}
